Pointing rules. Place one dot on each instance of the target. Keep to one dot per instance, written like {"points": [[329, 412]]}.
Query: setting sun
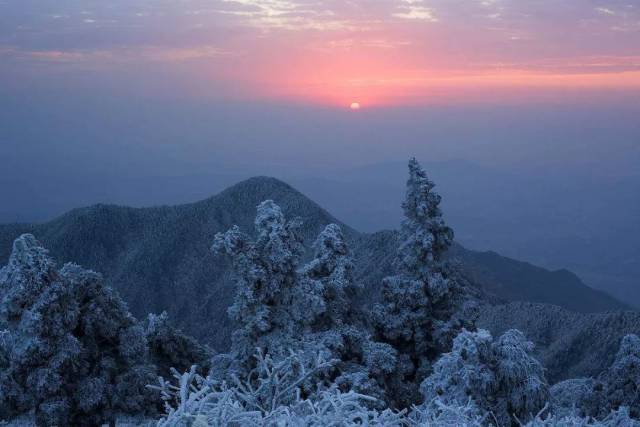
{"points": [[355, 106]]}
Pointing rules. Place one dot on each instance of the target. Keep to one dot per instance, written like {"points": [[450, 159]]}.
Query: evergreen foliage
{"points": [[72, 352], [617, 387], [280, 306], [170, 348], [273, 305], [501, 378], [418, 314]]}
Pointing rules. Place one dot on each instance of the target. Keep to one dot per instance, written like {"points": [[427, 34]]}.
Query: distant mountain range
{"points": [[159, 258]]}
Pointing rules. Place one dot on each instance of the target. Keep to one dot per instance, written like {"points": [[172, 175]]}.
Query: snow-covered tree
{"points": [[501, 378], [279, 307], [616, 387], [170, 348], [418, 312], [341, 329], [576, 397], [75, 354], [272, 306], [621, 382], [333, 267]]}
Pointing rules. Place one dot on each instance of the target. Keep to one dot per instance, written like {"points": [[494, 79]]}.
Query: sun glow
{"points": [[355, 106]]}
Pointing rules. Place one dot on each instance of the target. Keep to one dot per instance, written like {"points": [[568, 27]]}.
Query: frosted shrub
{"points": [[194, 401], [520, 387], [576, 397], [500, 377], [440, 414], [270, 386], [272, 395], [619, 418], [333, 267], [338, 409], [273, 384]]}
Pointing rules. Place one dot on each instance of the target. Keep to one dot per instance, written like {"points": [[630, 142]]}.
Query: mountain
{"points": [[159, 258], [569, 344], [521, 281], [586, 222], [583, 220]]}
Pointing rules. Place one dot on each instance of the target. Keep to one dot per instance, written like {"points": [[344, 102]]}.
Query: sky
{"points": [[328, 52], [100, 90]]}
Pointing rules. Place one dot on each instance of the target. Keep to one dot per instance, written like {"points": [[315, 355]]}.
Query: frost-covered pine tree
{"points": [[272, 306], [333, 267], [501, 378], [417, 315], [341, 331], [71, 350]]}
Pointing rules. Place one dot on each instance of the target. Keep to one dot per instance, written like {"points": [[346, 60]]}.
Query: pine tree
{"points": [[418, 312], [341, 330], [272, 306], [76, 355], [333, 267]]}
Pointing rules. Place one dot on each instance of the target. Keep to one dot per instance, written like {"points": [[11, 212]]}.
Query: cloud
{"points": [[605, 11], [117, 55], [415, 10], [283, 14], [276, 43]]}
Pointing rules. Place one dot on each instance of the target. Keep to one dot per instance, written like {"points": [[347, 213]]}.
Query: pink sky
{"points": [[376, 52]]}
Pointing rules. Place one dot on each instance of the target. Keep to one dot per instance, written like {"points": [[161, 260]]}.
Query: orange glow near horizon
{"points": [[332, 53], [379, 78], [416, 88]]}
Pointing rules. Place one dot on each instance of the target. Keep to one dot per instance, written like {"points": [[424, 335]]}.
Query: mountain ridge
{"points": [[158, 258]]}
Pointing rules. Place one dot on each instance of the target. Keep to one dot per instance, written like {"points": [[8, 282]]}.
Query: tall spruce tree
{"points": [[418, 311]]}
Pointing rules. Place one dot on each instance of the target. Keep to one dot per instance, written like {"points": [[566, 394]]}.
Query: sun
{"points": [[355, 106]]}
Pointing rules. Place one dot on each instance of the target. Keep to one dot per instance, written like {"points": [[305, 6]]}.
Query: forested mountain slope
{"points": [[569, 344], [160, 259]]}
